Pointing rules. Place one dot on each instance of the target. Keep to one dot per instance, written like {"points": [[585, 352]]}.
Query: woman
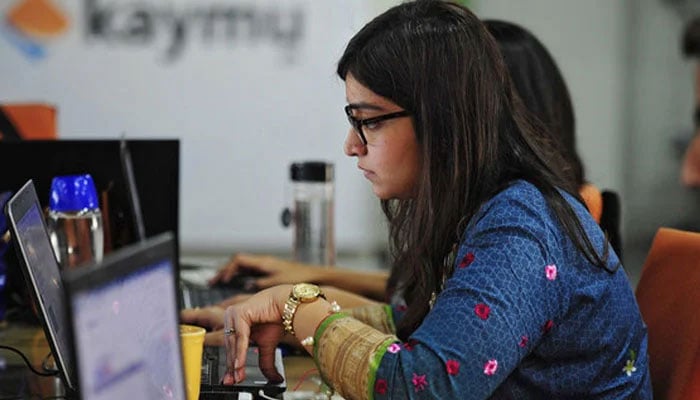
{"points": [[543, 91], [510, 288]]}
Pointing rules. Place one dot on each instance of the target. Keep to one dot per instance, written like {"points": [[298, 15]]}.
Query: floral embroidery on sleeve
{"points": [[490, 367], [452, 367], [523, 341], [381, 386], [482, 311], [468, 259], [547, 326], [410, 344], [394, 348], [550, 272], [629, 366], [419, 382]]}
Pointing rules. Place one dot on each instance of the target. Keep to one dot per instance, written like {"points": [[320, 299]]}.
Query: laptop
{"points": [[42, 273], [191, 294], [130, 297], [124, 322]]}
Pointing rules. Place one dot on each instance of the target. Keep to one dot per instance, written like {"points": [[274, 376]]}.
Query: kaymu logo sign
{"points": [[29, 24], [171, 30]]}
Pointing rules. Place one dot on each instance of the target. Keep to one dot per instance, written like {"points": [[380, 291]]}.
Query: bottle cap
{"points": [[73, 193], [311, 171]]}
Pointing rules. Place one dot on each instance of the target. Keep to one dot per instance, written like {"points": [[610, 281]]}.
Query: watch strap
{"points": [[290, 309]]}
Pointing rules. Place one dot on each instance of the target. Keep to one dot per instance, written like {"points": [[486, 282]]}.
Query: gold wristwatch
{"points": [[301, 293]]}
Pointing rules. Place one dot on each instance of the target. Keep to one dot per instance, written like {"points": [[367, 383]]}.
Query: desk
{"points": [[18, 382]]}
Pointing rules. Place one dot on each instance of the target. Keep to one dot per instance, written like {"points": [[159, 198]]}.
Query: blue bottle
{"points": [[75, 221]]}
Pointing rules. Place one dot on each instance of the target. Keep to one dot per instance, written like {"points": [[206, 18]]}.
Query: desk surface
{"points": [[17, 381]]}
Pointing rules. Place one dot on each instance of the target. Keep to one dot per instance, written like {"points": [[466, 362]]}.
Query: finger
{"points": [[268, 281], [219, 275], [266, 360], [242, 342], [206, 317], [230, 270], [254, 263], [215, 338], [239, 298], [229, 344], [241, 261], [224, 273], [214, 279], [236, 346]]}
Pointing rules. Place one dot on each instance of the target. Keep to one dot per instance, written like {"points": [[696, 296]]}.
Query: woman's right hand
{"points": [[274, 271]]}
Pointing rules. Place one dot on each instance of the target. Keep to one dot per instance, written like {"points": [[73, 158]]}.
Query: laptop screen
{"points": [[125, 326], [42, 273]]}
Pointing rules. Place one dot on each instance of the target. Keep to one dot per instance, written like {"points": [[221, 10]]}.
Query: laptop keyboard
{"points": [[210, 362], [195, 295], [205, 296], [214, 367]]}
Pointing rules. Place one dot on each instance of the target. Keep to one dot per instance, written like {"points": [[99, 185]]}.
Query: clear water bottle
{"points": [[75, 221], [312, 212]]}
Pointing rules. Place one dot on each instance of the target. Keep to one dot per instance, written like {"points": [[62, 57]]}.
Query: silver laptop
{"points": [[43, 276]]}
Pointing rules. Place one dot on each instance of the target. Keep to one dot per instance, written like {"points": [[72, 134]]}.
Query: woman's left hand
{"points": [[258, 319]]}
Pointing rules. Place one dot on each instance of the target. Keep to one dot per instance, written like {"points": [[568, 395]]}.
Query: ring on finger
{"points": [[229, 331]]}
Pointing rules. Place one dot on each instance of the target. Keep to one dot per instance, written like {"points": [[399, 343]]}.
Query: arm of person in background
{"points": [[276, 271], [690, 172]]}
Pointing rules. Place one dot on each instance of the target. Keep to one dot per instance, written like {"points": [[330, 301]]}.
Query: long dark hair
{"points": [[540, 85], [436, 60]]}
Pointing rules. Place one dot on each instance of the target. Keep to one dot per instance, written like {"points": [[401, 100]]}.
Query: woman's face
{"points": [[390, 159]]}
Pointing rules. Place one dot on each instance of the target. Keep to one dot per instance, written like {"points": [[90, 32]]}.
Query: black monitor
{"points": [[156, 169]]}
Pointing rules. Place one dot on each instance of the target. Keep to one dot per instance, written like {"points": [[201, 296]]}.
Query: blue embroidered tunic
{"points": [[524, 316]]}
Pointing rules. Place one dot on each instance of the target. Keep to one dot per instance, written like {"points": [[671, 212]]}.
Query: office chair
{"points": [[668, 294], [20, 121]]}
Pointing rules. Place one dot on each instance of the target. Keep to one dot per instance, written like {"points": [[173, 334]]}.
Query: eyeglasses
{"points": [[357, 124]]}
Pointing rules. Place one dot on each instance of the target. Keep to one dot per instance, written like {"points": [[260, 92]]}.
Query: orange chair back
{"points": [[31, 120], [668, 294]]}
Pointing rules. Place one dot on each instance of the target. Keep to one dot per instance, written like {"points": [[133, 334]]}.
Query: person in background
{"points": [[511, 290], [690, 169], [541, 88]]}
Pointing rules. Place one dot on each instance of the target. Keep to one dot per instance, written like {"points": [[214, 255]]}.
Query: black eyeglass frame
{"points": [[357, 124]]}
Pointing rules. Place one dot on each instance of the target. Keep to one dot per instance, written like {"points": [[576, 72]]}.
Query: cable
{"points": [[46, 368], [26, 361], [303, 377], [262, 394]]}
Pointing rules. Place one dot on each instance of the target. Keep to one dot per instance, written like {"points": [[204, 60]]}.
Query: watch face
{"points": [[306, 291]]}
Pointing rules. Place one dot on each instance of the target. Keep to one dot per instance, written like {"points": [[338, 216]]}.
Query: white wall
{"points": [[247, 107], [245, 104]]}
